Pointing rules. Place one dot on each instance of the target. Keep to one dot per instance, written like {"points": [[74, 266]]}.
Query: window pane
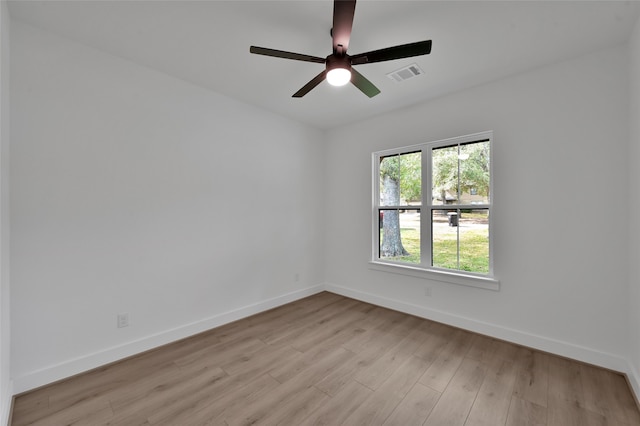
{"points": [[474, 173], [444, 175], [400, 235], [444, 239], [389, 175], [474, 240], [411, 178], [460, 239], [460, 174], [400, 179]]}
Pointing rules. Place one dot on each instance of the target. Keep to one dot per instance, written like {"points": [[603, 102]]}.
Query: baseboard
{"points": [[78, 365], [6, 404], [580, 353], [88, 362], [634, 382]]}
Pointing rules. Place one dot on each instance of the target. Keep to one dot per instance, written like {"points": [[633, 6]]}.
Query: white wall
{"points": [[560, 193], [136, 192], [6, 390], [634, 207]]}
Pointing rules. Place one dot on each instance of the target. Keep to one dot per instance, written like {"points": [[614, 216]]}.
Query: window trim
{"points": [[454, 276], [443, 275]]}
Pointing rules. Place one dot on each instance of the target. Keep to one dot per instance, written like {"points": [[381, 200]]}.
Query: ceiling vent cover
{"points": [[405, 73]]}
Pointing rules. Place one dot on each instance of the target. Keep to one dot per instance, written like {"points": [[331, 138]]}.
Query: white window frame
{"points": [[424, 269]]}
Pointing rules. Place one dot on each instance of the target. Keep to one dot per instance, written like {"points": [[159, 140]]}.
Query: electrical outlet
{"points": [[296, 277], [123, 320], [427, 291]]}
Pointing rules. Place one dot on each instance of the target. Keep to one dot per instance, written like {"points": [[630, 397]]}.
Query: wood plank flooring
{"points": [[330, 360]]}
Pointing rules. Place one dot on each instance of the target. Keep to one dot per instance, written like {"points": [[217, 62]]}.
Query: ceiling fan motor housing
{"points": [[334, 61]]}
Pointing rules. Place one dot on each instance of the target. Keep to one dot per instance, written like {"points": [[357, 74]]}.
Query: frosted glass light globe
{"points": [[338, 76]]}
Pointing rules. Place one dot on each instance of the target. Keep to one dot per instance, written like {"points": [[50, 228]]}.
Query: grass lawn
{"points": [[474, 251], [474, 248]]}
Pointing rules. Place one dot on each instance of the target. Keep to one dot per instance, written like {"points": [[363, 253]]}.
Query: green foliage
{"points": [[465, 165], [470, 165]]}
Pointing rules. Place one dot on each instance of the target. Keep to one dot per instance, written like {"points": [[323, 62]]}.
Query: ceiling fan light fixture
{"points": [[338, 70], [338, 76]]}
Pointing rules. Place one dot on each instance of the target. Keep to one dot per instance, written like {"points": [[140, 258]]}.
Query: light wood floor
{"points": [[332, 360]]}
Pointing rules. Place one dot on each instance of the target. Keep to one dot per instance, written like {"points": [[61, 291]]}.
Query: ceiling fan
{"points": [[338, 66]]}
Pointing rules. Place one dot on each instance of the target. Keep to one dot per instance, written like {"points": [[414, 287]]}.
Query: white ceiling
{"points": [[207, 43]]}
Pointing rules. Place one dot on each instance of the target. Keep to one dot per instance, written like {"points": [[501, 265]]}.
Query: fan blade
{"points": [[310, 85], [390, 53], [343, 11], [286, 55], [363, 84]]}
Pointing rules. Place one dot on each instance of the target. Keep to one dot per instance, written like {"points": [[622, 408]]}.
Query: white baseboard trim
{"points": [[634, 381], [88, 362], [78, 365], [5, 404], [545, 344]]}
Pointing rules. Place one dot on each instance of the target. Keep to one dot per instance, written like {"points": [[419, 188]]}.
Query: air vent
{"points": [[405, 73]]}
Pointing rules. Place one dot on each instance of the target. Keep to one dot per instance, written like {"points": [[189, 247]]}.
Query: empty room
{"points": [[319, 212]]}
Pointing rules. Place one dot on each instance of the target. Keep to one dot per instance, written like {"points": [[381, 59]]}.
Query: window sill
{"points": [[458, 278]]}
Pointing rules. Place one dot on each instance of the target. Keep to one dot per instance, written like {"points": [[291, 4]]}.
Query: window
{"points": [[432, 207]]}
